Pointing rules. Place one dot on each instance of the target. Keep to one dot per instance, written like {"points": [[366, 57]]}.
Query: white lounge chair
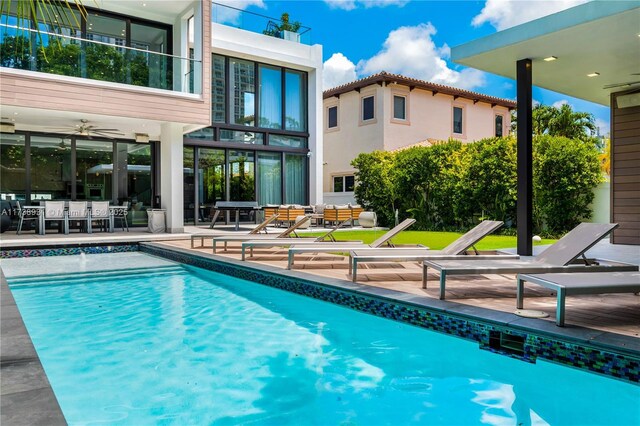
{"points": [[579, 283], [458, 248], [287, 233], [342, 247], [560, 257], [261, 227], [288, 242]]}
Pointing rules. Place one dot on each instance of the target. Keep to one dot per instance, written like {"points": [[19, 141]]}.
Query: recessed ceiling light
{"points": [[593, 74], [550, 58]]}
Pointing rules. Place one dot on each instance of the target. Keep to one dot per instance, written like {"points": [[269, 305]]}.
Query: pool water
{"points": [[185, 346]]}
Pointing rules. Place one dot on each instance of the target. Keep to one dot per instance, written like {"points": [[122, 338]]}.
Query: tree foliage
{"points": [[453, 185]]}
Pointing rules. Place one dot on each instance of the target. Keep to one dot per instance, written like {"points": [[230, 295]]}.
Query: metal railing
{"points": [[257, 23], [53, 53]]}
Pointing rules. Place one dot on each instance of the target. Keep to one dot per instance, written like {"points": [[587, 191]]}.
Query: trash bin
{"points": [[157, 224]]}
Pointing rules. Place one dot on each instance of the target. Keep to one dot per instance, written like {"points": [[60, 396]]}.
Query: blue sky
{"points": [[413, 38]]}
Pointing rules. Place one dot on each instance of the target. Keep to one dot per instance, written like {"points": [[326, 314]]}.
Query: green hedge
{"points": [[451, 186]]}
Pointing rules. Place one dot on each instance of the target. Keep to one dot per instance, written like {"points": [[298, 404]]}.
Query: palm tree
{"points": [[562, 121]]}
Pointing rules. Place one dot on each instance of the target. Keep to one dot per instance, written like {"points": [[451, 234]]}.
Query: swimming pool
{"points": [[184, 345]]}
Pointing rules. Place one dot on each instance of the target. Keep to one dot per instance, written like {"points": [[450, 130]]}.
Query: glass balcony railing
{"points": [[254, 22], [52, 53]]}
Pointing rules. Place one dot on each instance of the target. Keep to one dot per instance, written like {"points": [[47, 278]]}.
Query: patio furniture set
{"points": [[319, 214], [562, 267], [66, 212]]}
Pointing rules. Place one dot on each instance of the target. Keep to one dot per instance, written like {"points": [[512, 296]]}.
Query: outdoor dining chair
{"points": [[100, 213], [79, 212], [26, 215], [54, 212]]}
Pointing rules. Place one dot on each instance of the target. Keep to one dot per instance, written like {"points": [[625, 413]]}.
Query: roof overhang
{"points": [[598, 37]]}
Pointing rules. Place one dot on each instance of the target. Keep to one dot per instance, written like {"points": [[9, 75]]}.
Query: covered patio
{"points": [[590, 52]]}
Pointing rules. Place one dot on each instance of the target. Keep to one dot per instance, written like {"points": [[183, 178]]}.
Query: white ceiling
{"points": [[609, 46], [166, 11]]}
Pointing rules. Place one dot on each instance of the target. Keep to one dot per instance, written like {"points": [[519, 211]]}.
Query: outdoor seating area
{"points": [[478, 282], [70, 215], [321, 214]]}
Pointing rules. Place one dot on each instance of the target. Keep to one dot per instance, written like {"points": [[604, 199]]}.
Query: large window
{"points": [[218, 89], [242, 79], [13, 170], [295, 178], [137, 161], [211, 180], [269, 178], [242, 176], [94, 166], [241, 136], [499, 122], [296, 101], [51, 176], [289, 141], [458, 120], [368, 104], [270, 97]]}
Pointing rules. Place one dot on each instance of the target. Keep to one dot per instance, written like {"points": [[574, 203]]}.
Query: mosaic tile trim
{"points": [[66, 251], [624, 367]]}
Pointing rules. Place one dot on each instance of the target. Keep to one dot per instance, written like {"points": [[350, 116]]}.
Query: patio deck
{"points": [[614, 313]]}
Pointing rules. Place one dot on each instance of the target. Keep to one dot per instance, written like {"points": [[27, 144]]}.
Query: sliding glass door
{"points": [[211, 181], [269, 178]]}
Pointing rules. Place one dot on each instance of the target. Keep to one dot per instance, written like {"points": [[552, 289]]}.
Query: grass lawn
{"points": [[433, 240]]}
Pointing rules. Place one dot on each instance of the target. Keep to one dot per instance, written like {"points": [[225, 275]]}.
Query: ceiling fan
{"points": [[89, 130]]}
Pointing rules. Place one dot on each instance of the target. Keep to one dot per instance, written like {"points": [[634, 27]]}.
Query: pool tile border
{"points": [[529, 346], [67, 251]]}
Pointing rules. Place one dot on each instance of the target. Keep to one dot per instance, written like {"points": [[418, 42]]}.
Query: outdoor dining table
{"points": [[113, 210]]}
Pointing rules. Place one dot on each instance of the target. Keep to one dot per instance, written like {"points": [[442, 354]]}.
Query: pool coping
{"points": [[601, 341], [26, 395]]}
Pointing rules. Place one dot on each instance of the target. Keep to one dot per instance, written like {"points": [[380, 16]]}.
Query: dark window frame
{"points": [[329, 121], [364, 108], [404, 107]]}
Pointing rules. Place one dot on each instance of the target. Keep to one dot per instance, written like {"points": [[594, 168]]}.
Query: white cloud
{"points": [[558, 104], [604, 127], [226, 15], [410, 51], [337, 70], [352, 4], [508, 13]]}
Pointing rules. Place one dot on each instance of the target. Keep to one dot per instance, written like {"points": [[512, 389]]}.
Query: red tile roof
{"points": [[385, 77]]}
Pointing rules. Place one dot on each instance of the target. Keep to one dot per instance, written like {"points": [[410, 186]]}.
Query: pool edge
{"points": [[33, 401]]}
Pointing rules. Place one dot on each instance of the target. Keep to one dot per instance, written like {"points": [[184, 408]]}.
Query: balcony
{"points": [[53, 53], [261, 24]]}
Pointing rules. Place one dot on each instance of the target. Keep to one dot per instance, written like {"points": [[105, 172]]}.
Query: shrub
{"points": [[376, 189], [565, 172]]}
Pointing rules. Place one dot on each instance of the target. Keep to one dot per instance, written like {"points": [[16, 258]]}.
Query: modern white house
{"points": [[591, 52], [160, 104], [389, 112]]}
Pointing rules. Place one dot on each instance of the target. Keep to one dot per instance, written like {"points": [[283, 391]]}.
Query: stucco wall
{"points": [[428, 117], [352, 136]]}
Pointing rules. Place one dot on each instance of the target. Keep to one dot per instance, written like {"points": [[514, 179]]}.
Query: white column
{"points": [[171, 179], [315, 129]]}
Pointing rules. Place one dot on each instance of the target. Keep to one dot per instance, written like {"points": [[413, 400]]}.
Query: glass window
{"points": [[349, 183], [399, 107], [457, 120], [204, 134], [241, 176], [106, 61], [338, 184], [499, 120], [332, 117], [134, 180], [13, 173], [269, 178], [296, 101], [242, 137], [270, 97], [290, 141], [296, 179], [211, 180], [94, 170], [242, 97], [218, 90], [367, 108], [189, 194], [50, 168]]}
